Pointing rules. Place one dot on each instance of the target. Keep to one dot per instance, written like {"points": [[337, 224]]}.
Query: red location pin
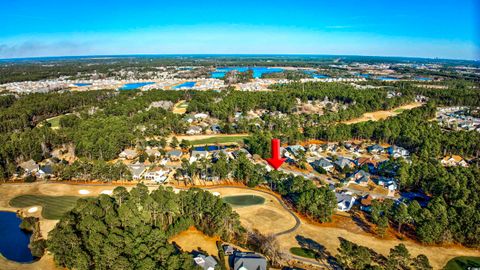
{"points": [[275, 161]]}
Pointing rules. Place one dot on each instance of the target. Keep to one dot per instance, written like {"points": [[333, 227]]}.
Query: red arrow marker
{"points": [[275, 161]]}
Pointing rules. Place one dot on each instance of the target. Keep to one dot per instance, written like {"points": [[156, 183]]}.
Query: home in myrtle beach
{"points": [[128, 154], [248, 261], [137, 170], [345, 201], [206, 263]]}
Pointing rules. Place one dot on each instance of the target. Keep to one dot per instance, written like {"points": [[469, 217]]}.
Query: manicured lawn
{"points": [[219, 139], [303, 252], [460, 263], [55, 121], [399, 110], [183, 105], [53, 207]]}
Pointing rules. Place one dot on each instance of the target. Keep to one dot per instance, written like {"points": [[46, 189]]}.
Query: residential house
{"points": [[295, 149], [216, 154], [375, 149], [216, 128], [342, 162], [397, 151], [128, 154], [389, 183], [237, 153], [345, 201], [45, 171], [206, 263], [200, 116], [197, 155], [29, 166], [137, 170], [228, 250], [174, 155], [156, 174], [322, 163], [454, 160], [248, 261], [153, 152], [193, 130], [360, 177]]}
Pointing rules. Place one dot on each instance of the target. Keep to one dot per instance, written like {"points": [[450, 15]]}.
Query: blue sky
{"points": [[420, 28]]}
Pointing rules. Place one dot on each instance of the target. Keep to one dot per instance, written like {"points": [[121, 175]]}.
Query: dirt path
{"points": [[380, 115]]}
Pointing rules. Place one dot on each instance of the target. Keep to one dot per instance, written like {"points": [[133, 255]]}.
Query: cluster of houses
{"points": [[457, 118], [201, 123], [237, 260]]}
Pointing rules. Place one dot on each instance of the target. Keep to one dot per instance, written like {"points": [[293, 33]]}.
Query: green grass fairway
{"points": [[303, 252], [244, 200], [53, 207], [220, 139], [461, 263], [399, 110]]}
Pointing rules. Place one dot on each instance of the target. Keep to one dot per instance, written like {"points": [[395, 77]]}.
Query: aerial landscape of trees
{"points": [[130, 230]]}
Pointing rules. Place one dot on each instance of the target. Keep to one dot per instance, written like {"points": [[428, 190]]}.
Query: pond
{"points": [[209, 148], [244, 200], [13, 241], [387, 79], [131, 86]]}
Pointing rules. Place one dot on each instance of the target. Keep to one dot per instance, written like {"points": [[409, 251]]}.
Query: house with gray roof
{"points": [[128, 154], [174, 154], [137, 170], [375, 149], [345, 201], [29, 166], [206, 263], [295, 149], [249, 261], [323, 163], [360, 177], [344, 162]]}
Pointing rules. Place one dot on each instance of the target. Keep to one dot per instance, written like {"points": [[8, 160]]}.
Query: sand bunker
{"points": [[107, 191], [32, 209], [216, 193], [83, 192]]}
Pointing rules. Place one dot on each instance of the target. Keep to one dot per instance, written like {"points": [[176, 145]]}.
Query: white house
{"points": [[157, 174], [345, 201]]}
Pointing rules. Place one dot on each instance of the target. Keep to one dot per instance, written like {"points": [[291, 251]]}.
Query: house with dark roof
{"points": [[29, 166], [249, 261]]}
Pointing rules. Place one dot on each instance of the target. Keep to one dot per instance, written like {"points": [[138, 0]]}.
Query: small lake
{"points": [[82, 84], [366, 76], [257, 71], [387, 79], [244, 200], [13, 241], [185, 85], [131, 86], [315, 75], [209, 148], [423, 79]]}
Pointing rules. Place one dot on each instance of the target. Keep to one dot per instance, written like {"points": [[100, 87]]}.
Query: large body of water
{"points": [[185, 85], [131, 86], [257, 71], [13, 241], [315, 75]]}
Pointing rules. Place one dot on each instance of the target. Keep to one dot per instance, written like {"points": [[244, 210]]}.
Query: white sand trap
{"points": [[107, 191], [84, 191], [33, 209], [216, 193]]}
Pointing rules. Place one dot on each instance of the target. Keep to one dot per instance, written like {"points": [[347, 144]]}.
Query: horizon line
{"points": [[223, 54]]}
